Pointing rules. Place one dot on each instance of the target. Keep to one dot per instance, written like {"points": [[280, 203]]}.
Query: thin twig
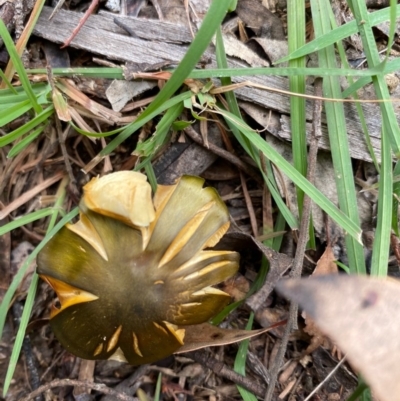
{"points": [[82, 21], [102, 388], [249, 205], [303, 238]]}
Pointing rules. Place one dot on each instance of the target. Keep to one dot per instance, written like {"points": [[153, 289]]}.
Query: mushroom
{"points": [[132, 275]]}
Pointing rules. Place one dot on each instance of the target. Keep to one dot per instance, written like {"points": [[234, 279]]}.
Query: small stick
{"points": [[249, 205], [69, 382], [89, 11]]}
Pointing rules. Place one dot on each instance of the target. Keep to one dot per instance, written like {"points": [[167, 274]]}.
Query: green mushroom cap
{"points": [[129, 290]]}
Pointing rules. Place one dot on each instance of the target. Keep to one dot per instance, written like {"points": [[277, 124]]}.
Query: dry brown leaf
{"points": [[60, 105], [326, 265], [361, 315], [206, 335], [68, 88]]}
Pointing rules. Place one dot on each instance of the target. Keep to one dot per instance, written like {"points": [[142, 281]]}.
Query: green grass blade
{"points": [[89, 72], [360, 111], [157, 392], [392, 31], [96, 134], [158, 139], [12, 136], [29, 218], [283, 71], [12, 51], [361, 388], [230, 97], [391, 66], [28, 304], [222, 62], [395, 204], [20, 146], [380, 251], [244, 142], [339, 34], [7, 82], [139, 122], [240, 363], [21, 333], [269, 179], [151, 176], [362, 17], [338, 137], [245, 71], [321, 200], [51, 230], [13, 112], [297, 84], [18, 93]]}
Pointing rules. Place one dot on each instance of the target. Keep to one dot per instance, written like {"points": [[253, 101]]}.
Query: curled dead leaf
{"points": [[207, 335], [361, 315], [325, 265]]}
